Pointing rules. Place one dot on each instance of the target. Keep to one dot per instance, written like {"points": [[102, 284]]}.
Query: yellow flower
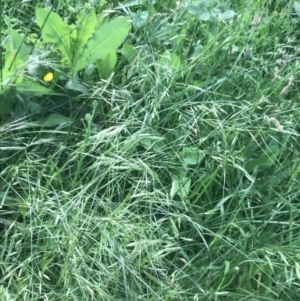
{"points": [[48, 77]]}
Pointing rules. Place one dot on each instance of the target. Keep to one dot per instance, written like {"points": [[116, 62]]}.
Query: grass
{"points": [[179, 183]]}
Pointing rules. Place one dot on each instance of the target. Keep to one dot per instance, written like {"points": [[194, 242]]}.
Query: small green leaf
{"points": [[297, 7], [106, 67], [152, 143], [53, 120], [129, 52], [200, 10], [266, 159], [34, 107], [209, 10], [191, 155], [197, 51], [140, 19], [105, 40], [55, 31], [180, 185], [6, 103], [227, 15], [72, 85], [227, 266], [170, 61]]}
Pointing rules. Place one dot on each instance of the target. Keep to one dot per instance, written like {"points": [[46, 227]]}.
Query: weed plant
{"points": [[175, 177]]}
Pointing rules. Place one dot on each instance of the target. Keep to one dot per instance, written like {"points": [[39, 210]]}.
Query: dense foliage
{"points": [[149, 150]]}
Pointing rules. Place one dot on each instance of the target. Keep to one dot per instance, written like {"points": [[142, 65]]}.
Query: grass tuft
{"points": [[177, 180]]}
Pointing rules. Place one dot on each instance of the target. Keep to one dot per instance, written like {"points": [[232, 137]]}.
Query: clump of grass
{"points": [[109, 209]]}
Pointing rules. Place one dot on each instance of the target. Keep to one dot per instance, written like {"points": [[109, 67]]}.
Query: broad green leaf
{"points": [[73, 35], [13, 77], [32, 89], [191, 155], [16, 51], [55, 31], [106, 67], [7, 102], [105, 40], [53, 120], [87, 24]]}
